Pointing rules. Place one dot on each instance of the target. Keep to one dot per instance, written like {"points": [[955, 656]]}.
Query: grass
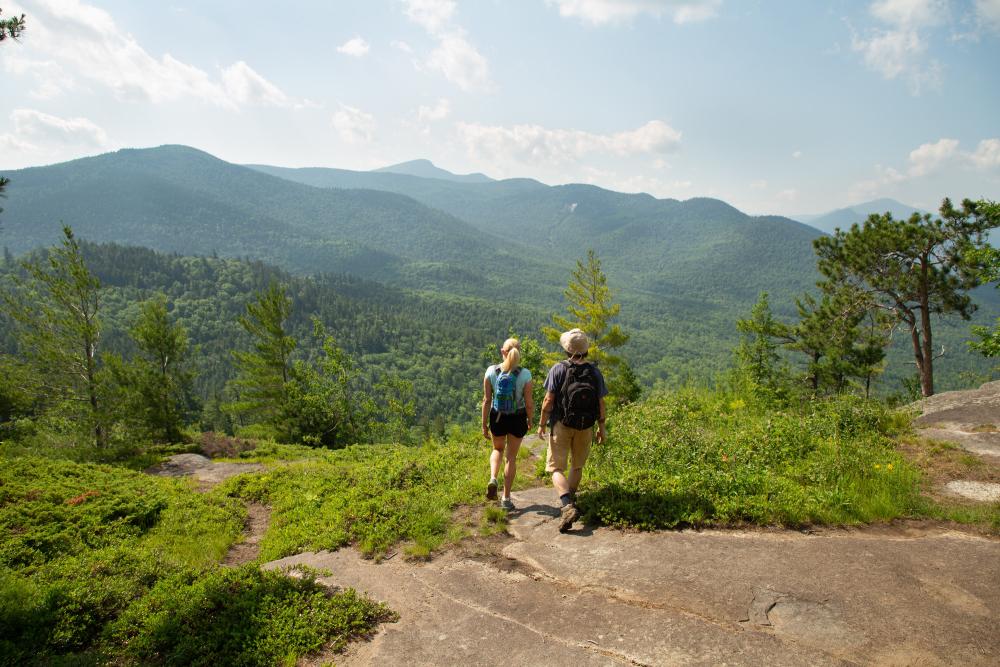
{"points": [[698, 458], [941, 462], [105, 565], [370, 496]]}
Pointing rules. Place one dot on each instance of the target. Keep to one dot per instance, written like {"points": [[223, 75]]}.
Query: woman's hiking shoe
{"points": [[568, 515], [491, 490], [507, 504]]}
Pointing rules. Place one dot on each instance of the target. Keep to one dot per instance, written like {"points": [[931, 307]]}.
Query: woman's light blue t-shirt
{"points": [[523, 378]]}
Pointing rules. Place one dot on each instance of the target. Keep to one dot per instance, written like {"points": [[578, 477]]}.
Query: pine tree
{"points": [[157, 385], [912, 269], [757, 357], [264, 372], [59, 329], [590, 308], [11, 28], [989, 339]]}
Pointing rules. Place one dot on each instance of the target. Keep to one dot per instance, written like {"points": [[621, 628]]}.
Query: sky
{"points": [[775, 106]]}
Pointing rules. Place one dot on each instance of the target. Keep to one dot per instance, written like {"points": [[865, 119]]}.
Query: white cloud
{"points": [[355, 47], [34, 126], [928, 157], [354, 125], [74, 42], [899, 51], [461, 63], [797, 154], [440, 111], [927, 160], [987, 154], [988, 14], [788, 196], [892, 52], [455, 56], [246, 87], [912, 13], [433, 15], [402, 46], [759, 184], [531, 144], [600, 12]]}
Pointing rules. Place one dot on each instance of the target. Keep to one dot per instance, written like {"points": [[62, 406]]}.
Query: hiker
{"points": [[574, 402], [508, 413]]}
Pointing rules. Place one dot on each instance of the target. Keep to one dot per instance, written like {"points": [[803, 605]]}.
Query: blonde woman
{"points": [[508, 413]]}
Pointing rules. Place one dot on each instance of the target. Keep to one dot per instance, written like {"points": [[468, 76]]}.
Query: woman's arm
{"points": [[487, 402], [529, 403]]}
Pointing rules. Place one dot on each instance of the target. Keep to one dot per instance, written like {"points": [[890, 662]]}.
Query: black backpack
{"points": [[578, 396]]}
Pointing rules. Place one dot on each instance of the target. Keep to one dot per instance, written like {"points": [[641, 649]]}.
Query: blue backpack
{"points": [[505, 392]]}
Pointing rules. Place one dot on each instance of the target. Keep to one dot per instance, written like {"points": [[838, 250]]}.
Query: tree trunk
{"points": [[99, 436], [918, 353], [927, 368]]}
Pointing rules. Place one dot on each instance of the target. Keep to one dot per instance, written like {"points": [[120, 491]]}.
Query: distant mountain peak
{"points": [[843, 218], [424, 168]]}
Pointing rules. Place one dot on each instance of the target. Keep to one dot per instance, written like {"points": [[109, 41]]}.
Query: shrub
{"points": [[697, 457]]}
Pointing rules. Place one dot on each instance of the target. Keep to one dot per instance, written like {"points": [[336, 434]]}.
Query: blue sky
{"points": [[774, 106]]}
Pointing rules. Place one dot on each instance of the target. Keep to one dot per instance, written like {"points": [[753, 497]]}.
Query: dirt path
{"points": [[208, 474], [603, 597], [258, 519]]}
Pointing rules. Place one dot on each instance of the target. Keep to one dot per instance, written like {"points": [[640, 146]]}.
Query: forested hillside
{"points": [[683, 271], [698, 247], [436, 343], [177, 199]]}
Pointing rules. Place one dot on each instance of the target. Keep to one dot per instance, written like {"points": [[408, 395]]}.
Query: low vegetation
{"points": [[100, 564], [699, 458], [371, 496]]}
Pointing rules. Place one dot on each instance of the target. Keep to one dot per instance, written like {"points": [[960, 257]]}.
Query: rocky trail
{"points": [[602, 597], [912, 593], [971, 420]]}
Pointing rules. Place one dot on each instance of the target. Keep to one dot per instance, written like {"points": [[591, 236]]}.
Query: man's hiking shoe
{"points": [[491, 490], [507, 504], [568, 515]]}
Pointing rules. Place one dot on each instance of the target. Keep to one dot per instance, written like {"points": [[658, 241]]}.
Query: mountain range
{"points": [[684, 271], [843, 218]]}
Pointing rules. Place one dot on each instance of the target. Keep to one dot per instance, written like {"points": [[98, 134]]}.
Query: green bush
{"points": [[241, 616], [697, 457], [370, 496], [104, 565]]}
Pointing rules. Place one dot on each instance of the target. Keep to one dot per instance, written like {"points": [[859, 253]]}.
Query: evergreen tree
{"points": [[590, 308], [757, 357], [11, 28], [157, 386], [912, 269], [263, 373], [989, 339], [319, 408], [59, 330]]}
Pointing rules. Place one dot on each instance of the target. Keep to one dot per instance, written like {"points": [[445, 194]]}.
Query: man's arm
{"points": [[543, 419], [601, 416]]}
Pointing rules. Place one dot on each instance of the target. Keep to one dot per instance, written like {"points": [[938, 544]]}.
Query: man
{"points": [[574, 402]]}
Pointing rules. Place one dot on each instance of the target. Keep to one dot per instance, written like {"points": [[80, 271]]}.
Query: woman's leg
{"points": [[510, 469], [496, 455]]}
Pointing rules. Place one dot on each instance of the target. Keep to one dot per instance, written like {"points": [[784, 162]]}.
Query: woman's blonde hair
{"points": [[513, 358]]}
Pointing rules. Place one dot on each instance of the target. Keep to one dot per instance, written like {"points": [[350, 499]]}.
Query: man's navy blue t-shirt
{"points": [[554, 381]]}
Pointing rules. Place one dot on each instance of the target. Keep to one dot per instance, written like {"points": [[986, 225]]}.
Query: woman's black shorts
{"points": [[515, 424]]}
